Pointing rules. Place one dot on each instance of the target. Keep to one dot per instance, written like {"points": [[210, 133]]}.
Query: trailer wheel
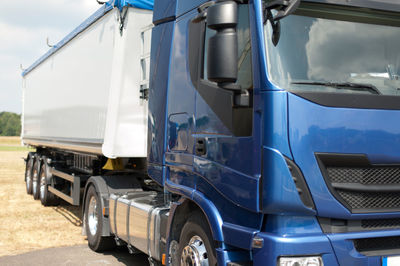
{"points": [[28, 173], [196, 243], [36, 178], [46, 197], [94, 223]]}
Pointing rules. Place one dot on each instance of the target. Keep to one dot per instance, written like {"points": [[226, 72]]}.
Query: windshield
{"points": [[326, 55]]}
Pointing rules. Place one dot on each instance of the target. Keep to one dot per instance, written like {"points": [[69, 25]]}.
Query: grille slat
{"points": [[380, 224], [365, 200], [366, 176], [377, 246]]}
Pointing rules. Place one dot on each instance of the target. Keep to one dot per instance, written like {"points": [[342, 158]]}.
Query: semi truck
{"points": [[226, 132]]}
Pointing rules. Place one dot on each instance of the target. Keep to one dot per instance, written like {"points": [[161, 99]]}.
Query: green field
{"points": [[12, 144]]}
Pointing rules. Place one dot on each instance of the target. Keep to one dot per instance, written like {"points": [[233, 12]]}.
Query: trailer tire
{"points": [[94, 223], [46, 197], [28, 173], [196, 245], [36, 178]]}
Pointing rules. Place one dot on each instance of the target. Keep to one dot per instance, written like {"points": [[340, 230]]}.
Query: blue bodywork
{"points": [[243, 184]]}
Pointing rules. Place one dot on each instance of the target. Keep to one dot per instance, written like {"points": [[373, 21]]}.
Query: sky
{"points": [[24, 27]]}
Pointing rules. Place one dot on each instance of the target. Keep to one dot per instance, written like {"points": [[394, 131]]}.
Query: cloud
{"points": [[46, 13], [24, 27]]}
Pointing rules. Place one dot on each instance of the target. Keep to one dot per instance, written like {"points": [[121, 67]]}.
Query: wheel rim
{"points": [[34, 181], [195, 253], [92, 216], [42, 185]]}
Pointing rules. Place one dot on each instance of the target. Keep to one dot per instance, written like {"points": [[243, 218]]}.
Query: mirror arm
{"points": [[242, 99], [202, 9], [276, 26], [284, 7]]}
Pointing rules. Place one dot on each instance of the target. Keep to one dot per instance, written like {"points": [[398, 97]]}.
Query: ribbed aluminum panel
{"points": [[86, 96]]}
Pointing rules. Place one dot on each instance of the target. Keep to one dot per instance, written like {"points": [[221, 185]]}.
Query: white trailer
{"points": [[87, 94], [85, 106]]}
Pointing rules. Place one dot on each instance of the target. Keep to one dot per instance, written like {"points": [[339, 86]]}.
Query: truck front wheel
{"points": [[196, 243], [94, 223]]}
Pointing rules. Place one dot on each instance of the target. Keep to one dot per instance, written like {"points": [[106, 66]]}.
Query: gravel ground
{"points": [[75, 255], [32, 234]]}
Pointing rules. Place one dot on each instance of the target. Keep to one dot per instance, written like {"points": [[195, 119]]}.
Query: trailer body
{"points": [[246, 135], [84, 95]]}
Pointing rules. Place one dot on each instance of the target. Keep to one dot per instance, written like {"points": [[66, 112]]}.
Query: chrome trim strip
{"points": [[68, 145]]}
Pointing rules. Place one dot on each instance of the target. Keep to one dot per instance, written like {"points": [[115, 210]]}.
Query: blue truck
{"points": [[271, 137]]}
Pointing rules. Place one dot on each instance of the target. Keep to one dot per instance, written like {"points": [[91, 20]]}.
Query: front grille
{"points": [[380, 224], [352, 185], [333, 226], [360, 186], [377, 246]]}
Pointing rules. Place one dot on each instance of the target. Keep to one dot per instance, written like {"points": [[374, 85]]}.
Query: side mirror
{"points": [[222, 53], [284, 8]]}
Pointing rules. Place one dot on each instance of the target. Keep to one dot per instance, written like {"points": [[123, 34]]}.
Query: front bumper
{"points": [[335, 249], [276, 246]]}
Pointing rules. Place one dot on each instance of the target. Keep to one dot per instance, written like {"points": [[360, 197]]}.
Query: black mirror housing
{"points": [[222, 55]]}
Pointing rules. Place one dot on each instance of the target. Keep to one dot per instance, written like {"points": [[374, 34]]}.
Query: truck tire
{"points": [[28, 173], [94, 223], [46, 197], [196, 245], [35, 178]]}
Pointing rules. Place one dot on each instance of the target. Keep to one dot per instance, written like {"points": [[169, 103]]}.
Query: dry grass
{"points": [[26, 225], [10, 141]]}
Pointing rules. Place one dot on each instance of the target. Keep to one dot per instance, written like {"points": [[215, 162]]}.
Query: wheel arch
{"points": [[182, 209], [106, 185]]}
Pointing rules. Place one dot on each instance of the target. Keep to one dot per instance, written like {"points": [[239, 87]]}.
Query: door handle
{"points": [[200, 147]]}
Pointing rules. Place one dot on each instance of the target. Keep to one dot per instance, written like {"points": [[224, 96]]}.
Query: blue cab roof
{"points": [[104, 9]]}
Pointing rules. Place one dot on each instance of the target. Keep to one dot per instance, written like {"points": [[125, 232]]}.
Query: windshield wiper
{"points": [[342, 85]]}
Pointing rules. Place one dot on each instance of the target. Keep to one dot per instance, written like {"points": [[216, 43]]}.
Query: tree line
{"points": [[10, 124]]}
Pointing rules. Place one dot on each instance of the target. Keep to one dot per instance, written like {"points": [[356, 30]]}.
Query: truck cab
{"points": [[293, 155]]}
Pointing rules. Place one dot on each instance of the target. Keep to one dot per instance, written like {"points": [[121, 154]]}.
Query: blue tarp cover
{"points": [[143, 4]]}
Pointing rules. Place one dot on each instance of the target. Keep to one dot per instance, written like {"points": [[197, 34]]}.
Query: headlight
{"points": [[300, 261]]}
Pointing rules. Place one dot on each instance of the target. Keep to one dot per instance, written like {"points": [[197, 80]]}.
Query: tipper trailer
{"points": [[227, 132]]}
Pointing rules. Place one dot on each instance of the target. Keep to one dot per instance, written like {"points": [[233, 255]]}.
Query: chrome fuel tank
{"points": [[137, 219]]}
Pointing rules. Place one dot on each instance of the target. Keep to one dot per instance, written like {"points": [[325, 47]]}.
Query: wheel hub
{"points": [[195, 253], [92, 216]]}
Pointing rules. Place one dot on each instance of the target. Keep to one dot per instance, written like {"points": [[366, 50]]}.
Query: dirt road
{"points": [[31, 234], [76, 255], [25, 224]]}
